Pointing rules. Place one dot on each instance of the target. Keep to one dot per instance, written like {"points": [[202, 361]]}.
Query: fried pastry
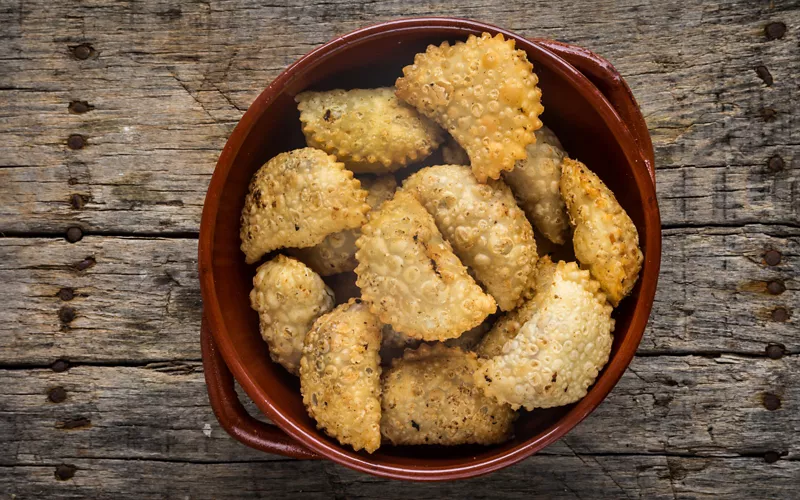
{"points": [[370, 130], [337, 252], [429, 398], [559, 352], [410, 276], [507, 327], [534, 182], [483, 223], [340, 375], [484, 93], [605, 239], [297, 199], [288, 297]]}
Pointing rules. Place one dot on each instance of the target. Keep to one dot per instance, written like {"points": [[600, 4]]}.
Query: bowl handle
{"points": [[611, 84], [232, 415]]}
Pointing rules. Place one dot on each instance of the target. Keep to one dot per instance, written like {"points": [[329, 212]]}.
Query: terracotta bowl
{"points": [[589, 107]]}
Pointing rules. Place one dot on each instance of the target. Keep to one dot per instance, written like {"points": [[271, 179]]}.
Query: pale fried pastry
{"points": [[507, 327], [483, 92], [370, 130], [337, 252], [410, 276], [534, 182], [288, 297], [483, 223], [340, 375], [429, 397], [298, 198], [559, 352], [605, 239]]}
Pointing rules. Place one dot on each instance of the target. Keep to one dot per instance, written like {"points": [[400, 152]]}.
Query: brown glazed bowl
{"points": [[589, 107]]}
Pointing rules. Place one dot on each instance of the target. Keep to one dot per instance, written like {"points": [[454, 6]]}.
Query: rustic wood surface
{"points": [[112, 115]]}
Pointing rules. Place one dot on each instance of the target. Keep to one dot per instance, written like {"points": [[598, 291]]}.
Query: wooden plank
{"points": [[134, 300], [665, 405], [539, 477], [140, 300], [113, 479], [190, 71], [599, 477]]}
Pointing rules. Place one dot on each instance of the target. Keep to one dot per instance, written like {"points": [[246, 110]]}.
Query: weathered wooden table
{"points": [[112, 115]]}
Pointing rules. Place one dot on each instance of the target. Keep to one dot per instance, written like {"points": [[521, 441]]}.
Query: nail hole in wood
{"points": [[775, 163], [66, 294], [57, 395], [74, 423], [772, 257], [780, 314], [776, 287], [65, 472], [78, 201], [85, 264], [74, 234], [763, 73], [79, 107], [771, 401], [775, 351], [76, 141], [60, 366], [66, 314], [774, 31], [83, 51]]}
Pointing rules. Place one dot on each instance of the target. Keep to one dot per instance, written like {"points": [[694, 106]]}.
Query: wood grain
{"points": [[702, 413], [188, 76], [673, 405], [140, 300]]}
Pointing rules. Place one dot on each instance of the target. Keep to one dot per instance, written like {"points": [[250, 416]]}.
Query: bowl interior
{"points": [[373, 61]]}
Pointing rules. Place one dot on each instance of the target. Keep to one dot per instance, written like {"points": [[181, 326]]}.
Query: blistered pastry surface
{"points": [[605, 239], [337, 252], [370, 130], [297, 199], [484, 225], [410, 276], [484, 93], [429, 397], [340, 375], [288, 297], [559, 351], [535, 183]]}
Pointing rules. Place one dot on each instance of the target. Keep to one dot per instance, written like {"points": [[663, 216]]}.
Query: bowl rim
{"points": [[470, 467]]}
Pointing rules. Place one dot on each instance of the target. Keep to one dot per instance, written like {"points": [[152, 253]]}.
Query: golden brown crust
{"points": [[488, 231], [483, 92], [288, 297], [370, 130], [429, 397], [298, 198], [337, 252], [559, 351], [605, 239], [410, 277], [534, 182], [340, 375]]}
